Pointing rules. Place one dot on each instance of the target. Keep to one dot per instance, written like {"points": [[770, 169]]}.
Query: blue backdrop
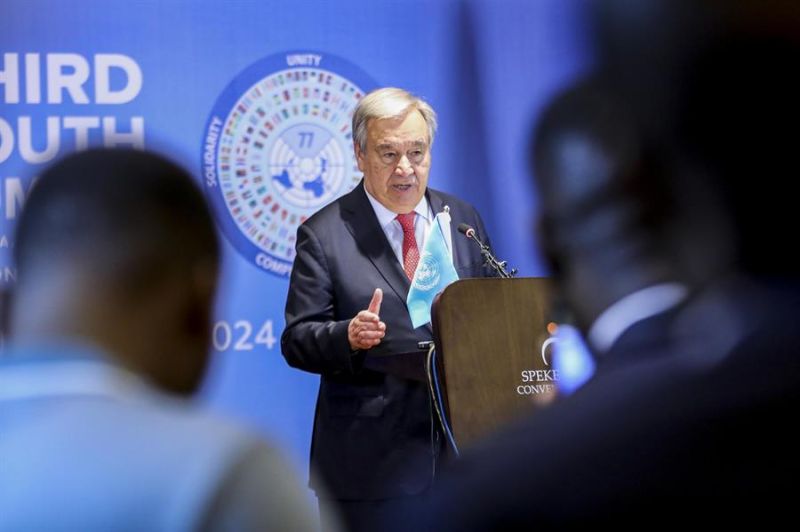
{"points": [[155, 73]]}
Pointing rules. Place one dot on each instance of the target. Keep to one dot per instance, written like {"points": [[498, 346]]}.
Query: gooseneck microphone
{"points": [[491, 260], [466, 230]]}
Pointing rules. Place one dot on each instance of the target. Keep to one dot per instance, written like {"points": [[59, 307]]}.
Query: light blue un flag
{"points": [[434, 272]]}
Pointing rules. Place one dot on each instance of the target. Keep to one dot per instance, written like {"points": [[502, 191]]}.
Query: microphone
{"points": [[466, 230], [498, 266]]}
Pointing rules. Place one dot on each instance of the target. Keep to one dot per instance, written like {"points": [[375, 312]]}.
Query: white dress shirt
{"points": [[631, 309], [394, 232]]}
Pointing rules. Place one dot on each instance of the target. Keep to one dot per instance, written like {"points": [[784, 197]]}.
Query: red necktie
{"points": [[410, 249]]}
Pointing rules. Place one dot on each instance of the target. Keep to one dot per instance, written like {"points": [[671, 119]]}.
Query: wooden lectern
{"points": [[492, 358]]}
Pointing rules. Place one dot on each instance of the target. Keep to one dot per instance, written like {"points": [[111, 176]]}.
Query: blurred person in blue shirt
{"points": [[109, 328]]}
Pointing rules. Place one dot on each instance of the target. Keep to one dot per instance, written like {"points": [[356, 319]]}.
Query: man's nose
{"points": [[404, 167]]}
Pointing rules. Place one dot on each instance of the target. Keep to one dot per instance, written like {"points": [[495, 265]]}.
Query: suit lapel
{"points": [[362, 223], [435, 201]]}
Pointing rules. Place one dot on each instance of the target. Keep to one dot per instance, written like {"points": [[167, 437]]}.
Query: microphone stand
{"points": [[491, 260]]}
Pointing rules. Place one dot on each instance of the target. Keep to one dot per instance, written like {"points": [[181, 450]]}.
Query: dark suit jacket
{"points": [[374, 435], [702, 435]]}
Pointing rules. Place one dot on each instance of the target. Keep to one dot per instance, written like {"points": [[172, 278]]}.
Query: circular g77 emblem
{"points": [[278, 146]]}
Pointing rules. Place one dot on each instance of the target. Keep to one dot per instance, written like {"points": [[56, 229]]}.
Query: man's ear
{"points": [[360, 159], [204, 279]]}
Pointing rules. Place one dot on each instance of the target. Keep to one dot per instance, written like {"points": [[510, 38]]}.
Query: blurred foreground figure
{"points": [[109, 322], [669, 167]]}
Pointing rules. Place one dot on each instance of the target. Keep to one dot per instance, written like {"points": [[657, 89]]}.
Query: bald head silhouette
{"points": [[117, 249], [670, 162], [597, 222]]}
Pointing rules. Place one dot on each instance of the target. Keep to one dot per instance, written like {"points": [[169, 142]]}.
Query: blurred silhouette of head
{"points": [[117, 248], [596, 229], [671, 161]]}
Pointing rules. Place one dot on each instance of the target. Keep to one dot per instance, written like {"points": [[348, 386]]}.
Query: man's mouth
{"points": [[402, 188]]}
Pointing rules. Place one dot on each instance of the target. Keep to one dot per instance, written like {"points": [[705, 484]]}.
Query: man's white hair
{"points": [[389, 102]]}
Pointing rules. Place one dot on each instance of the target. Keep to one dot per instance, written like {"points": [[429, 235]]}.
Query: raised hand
{"points": [[366, 330]]}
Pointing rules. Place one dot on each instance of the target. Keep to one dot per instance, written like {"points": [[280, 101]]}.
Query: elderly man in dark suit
{"points": [[375, 441]]}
